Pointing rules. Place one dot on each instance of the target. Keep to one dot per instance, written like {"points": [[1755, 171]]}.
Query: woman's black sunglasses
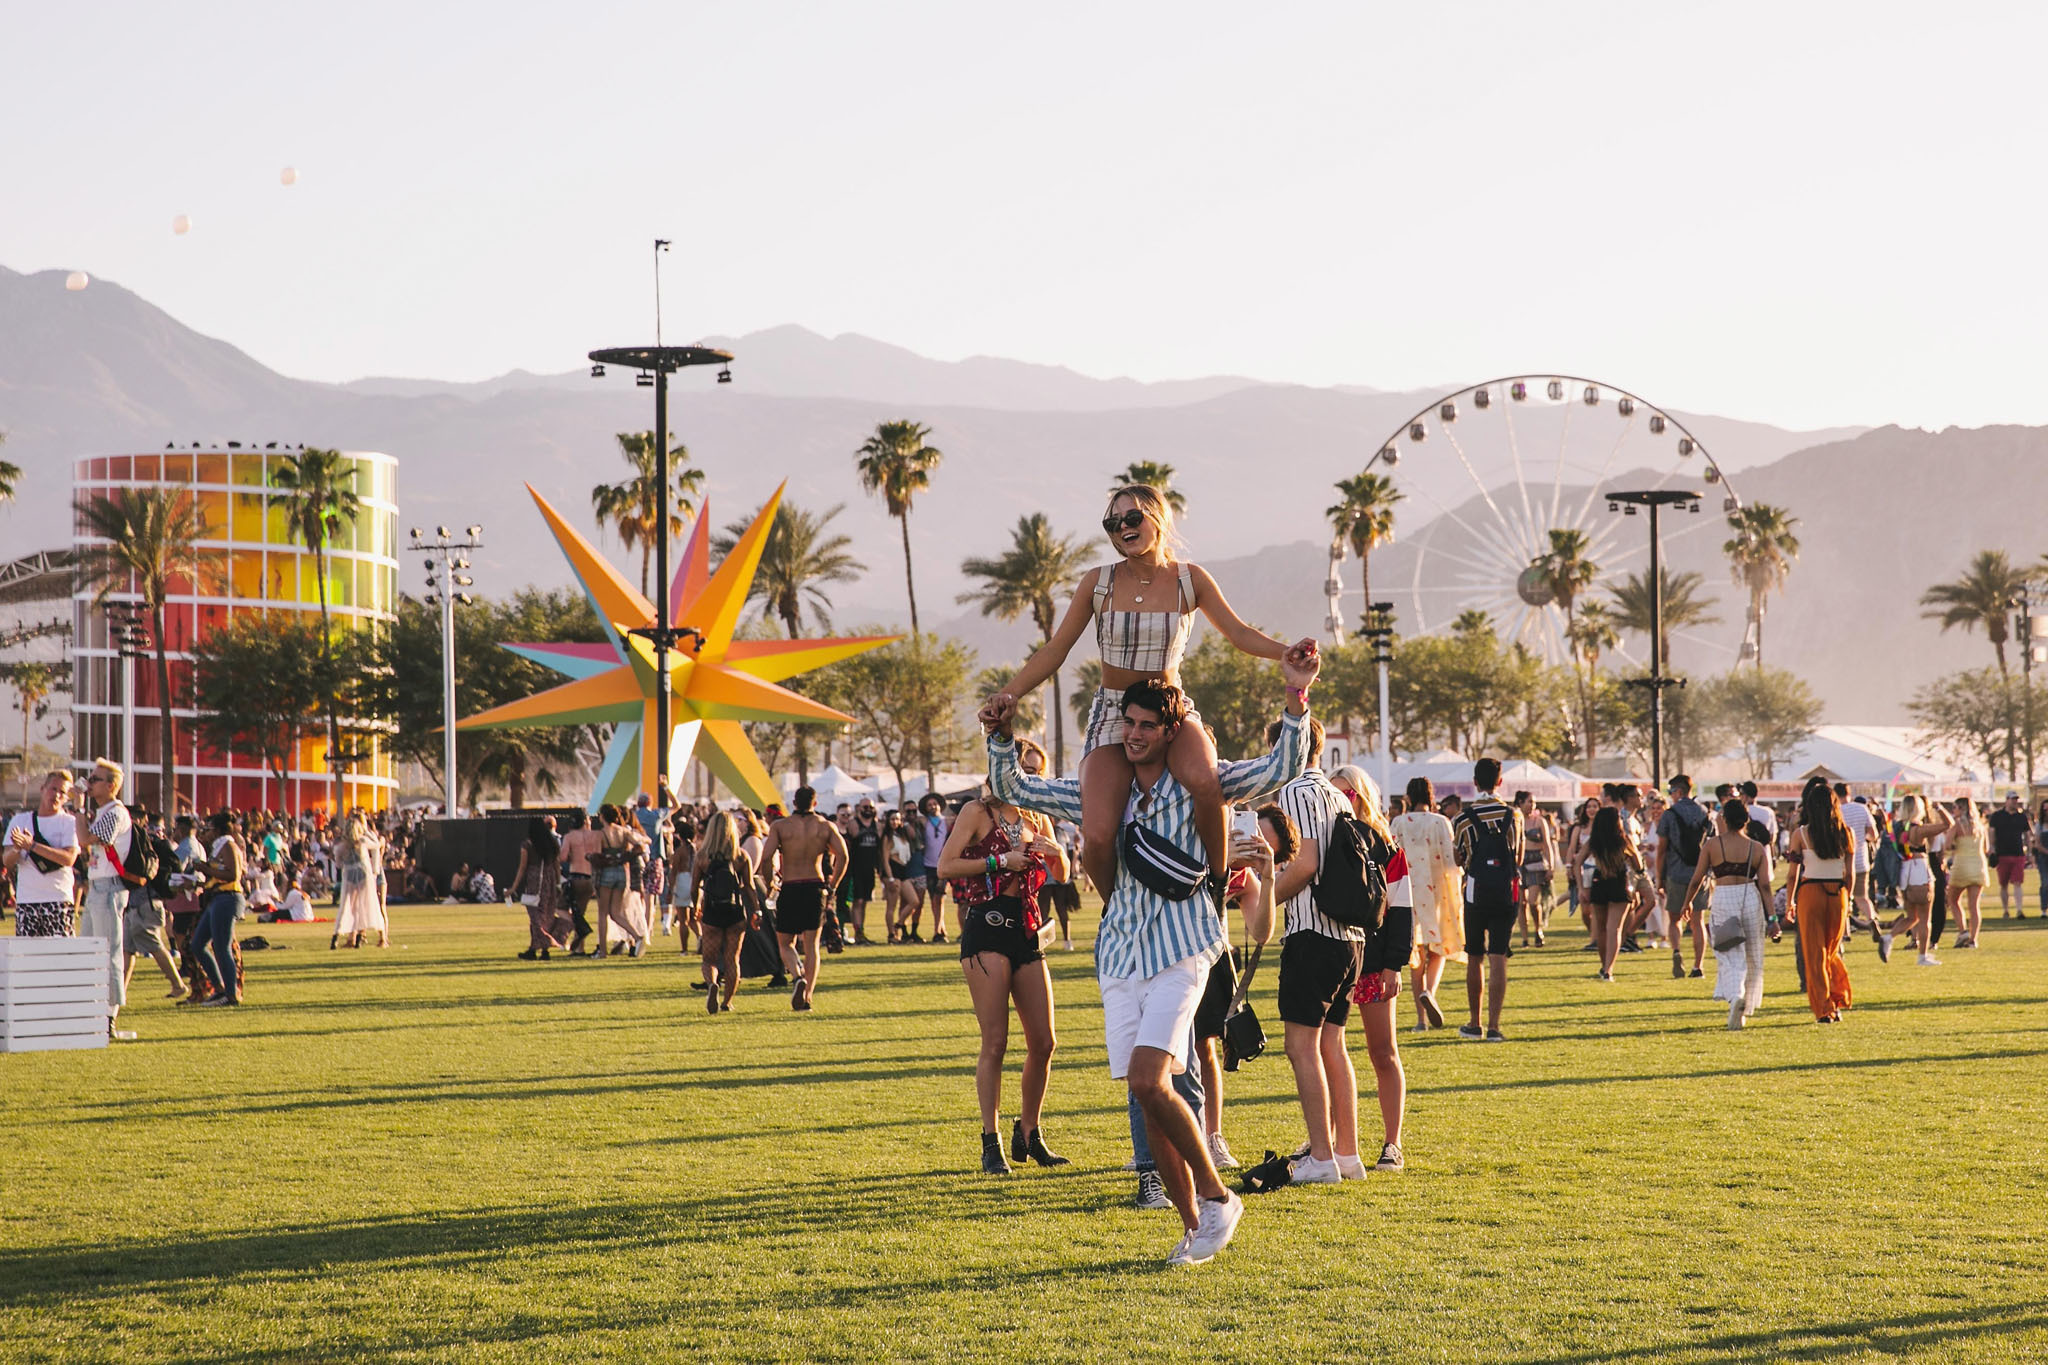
{"points": [[1129, 521]]}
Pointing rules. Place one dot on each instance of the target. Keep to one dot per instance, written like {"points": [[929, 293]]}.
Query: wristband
{"points": [[1300, 694]]}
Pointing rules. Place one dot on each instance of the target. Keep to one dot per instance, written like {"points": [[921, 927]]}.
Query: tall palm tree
{"points": [[632, 507], [1567, 571], [152, 535], [1153, 475], [897, 463], [321, 501], [799, 558], [1983, 596], [1760, 555], [1364, 518], [1683, 607], [1592, 634], [1031, 576], [1087, 682], [34, 681]]}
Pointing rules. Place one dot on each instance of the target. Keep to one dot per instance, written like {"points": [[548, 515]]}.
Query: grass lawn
{"points": [[438, 1152]]}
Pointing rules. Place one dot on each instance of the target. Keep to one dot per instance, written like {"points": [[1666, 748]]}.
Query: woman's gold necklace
{"points": [[1145, 583]]}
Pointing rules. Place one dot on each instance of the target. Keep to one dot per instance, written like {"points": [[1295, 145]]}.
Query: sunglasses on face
{"points": [[1129, 521]]}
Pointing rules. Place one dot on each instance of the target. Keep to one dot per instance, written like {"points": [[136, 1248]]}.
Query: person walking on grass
{"points": [[932, 814], [2039, 845], [1489, 840], [1539, 863], [111, 846], [360, 854], [619, 842], [1606, 874], [1438, 907], [1920, 826], [1968, 871], [998, 859], [1740, 869], [214, 936], [810, 855], [1160, 929], [1680, 832], [724, 899], [2012, 837], [1818, 892], [538, 884], [578, 876], [1863, 838]]}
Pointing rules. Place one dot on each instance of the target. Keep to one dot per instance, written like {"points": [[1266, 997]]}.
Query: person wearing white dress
{"points": [[359, 853], [1438, 898], [1740, 868]]}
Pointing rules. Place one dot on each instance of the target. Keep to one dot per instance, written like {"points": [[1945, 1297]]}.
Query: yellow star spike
{"points": [[712, 688]]}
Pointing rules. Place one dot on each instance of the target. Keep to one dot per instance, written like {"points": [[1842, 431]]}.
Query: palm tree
{"points": [[321, 501], [1087, 682], [1031, 576], [1760, 555], [1683, 607], [632, 508], [1567, 572], [1364, 518], [10, 478], [897, 463], [1983, 596], [152, 535], [1153, 475], [34, 682], [799, 557], [1591, 635]]}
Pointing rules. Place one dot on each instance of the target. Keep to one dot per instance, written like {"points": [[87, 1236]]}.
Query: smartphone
{"points": [[1245, 822]]}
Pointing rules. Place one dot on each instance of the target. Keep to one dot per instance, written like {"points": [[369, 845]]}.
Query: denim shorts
{"points": [[611, 876]]}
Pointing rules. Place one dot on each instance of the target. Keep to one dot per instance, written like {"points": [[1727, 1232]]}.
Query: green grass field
{"points": [[438, 1152]]}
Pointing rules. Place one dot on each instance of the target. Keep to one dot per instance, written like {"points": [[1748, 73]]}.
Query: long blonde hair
{"points": [[721, 839], [1157, 510], [1368, 796]]}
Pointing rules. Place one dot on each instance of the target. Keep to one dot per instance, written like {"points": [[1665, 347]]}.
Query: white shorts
{"points": [[1914, 873], [1152, 1011]]}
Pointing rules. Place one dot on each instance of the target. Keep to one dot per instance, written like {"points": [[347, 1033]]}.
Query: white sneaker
{"points": [[1309, 1171], [1216, 1225], [1220, 1153], [1351, 1167], [1183, 1252], [1928, 960], [664, 926], [1068, 944]]}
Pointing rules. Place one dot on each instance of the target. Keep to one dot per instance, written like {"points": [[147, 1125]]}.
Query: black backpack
{"points": [[1690, 832], [721, 883], [144, 860], [1494, 872], [1351, 882]]}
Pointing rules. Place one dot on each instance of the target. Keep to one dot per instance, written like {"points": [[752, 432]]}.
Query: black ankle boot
{"points": [[1032, 1146], [992, 1162]]}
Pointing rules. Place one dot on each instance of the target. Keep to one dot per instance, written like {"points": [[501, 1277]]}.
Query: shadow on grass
{"points": [[66, 1275], [1720, 1073], [1905, 1334]]}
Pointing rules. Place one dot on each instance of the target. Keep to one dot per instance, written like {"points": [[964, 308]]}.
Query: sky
{"points": [[1802, 213]]}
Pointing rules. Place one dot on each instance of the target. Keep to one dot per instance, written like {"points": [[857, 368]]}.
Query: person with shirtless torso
{"points": [[810, 853]]}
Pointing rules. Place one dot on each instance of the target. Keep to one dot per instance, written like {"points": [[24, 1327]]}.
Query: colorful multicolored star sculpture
{"points": [[712, 689]]}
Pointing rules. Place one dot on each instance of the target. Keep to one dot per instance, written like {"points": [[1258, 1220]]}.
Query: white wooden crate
{"points": [[53, 994]]}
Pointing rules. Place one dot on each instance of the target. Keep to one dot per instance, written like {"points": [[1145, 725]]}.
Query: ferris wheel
{"points": [[1487, 472]]}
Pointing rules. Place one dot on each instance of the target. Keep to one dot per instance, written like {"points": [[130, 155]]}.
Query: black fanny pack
{"points": [[1160, 865], [49, 867]]}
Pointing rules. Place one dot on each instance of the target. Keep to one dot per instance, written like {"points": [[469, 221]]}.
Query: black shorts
{"points": [[800, 907], [729, 915], [859, 884], [1392, 944], [1489, 925], [1316, 977], [997, 926], [1216, 996], [934, 885], [1608, 891]]}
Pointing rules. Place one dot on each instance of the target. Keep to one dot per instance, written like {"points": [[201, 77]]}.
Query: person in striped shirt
{"points": [[1152, 954]]}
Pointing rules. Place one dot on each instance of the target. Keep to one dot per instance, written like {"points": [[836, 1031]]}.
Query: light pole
{"points": [[1655, 499], [1379, 629], [446, 556], [655, 364], [130, 638]]}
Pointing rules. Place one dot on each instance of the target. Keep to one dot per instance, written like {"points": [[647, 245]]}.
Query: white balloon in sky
{"points": [[288, 176], [77, 280], [182, 224]]}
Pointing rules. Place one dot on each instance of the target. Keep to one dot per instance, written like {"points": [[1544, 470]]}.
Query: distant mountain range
{"points": [[1885, 512]]}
